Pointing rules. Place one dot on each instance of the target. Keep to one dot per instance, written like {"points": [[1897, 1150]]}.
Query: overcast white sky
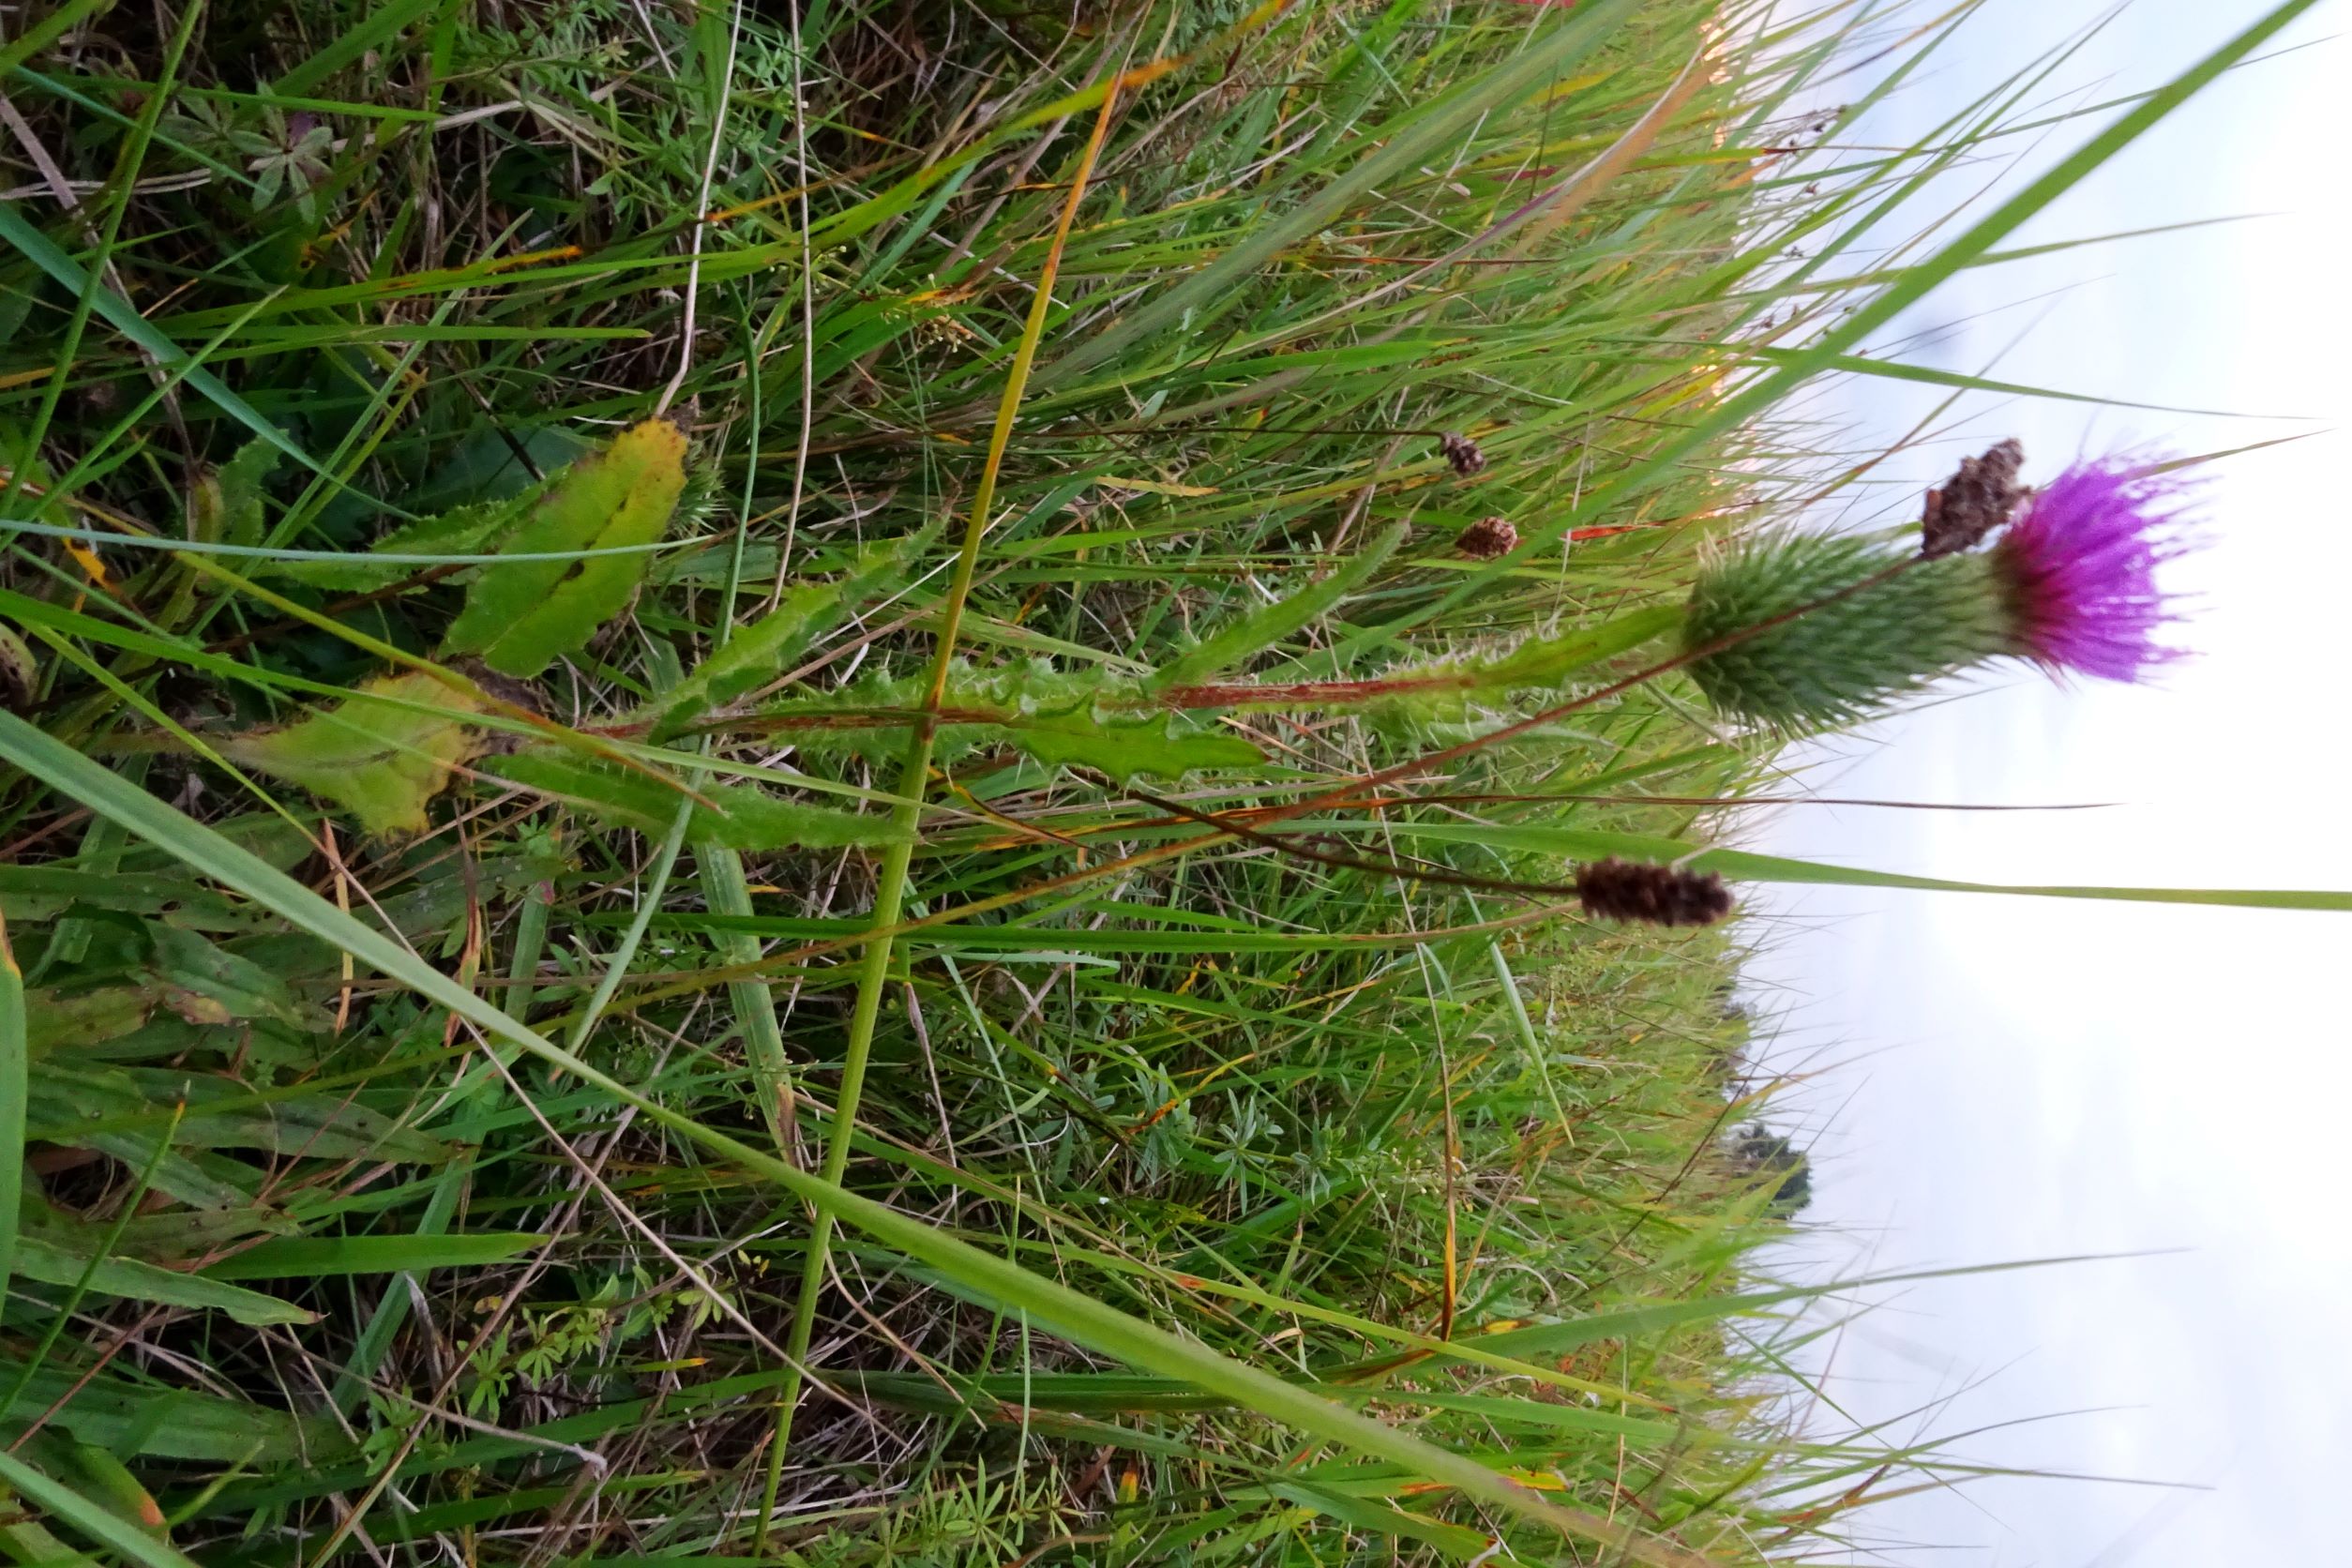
{"points": [[2001, 1078]]}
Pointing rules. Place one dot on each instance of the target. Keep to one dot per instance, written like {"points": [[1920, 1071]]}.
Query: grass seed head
{"points": [[1488, 539], [1463, 452], [1650, 895]]}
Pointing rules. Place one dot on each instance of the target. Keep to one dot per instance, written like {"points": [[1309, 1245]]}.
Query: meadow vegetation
{"points": [[803, 783]]}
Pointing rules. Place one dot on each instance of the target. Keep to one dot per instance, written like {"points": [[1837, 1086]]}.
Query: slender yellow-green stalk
{"points": [[913, 776], [12, 1092]]}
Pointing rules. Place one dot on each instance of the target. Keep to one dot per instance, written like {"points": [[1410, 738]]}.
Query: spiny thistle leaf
{"points": [[1262, 628], [1062, 719], [747, 818], [1549, 660], [764, 650], [1160, 746], [868, 718], [521, 616]]}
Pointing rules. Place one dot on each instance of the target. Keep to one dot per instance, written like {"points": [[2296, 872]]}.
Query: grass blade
{"points": [[1742, 865]]}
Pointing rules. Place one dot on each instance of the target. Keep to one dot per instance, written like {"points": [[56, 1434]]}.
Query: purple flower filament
{"points": [[2078, 566]]}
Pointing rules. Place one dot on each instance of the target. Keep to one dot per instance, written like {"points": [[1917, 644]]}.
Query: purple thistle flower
{"points": [[2078, 570]]}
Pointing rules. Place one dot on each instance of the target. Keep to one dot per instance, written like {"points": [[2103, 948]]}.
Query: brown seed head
{"points": [[1488, 538], [1650, 895], [1973, 502], [1463, 452]]}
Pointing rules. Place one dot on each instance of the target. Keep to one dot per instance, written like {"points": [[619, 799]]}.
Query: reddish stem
{"points": [[1302, 693]]}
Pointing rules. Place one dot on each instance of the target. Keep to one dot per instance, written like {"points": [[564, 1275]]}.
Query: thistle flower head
{"points": [[2078, 570], [1799, 630]]}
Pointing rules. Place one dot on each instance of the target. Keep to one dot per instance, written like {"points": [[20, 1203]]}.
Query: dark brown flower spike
{"points": [[1488, 539], [1463, 452], [1973, 502], [1650, 895]]}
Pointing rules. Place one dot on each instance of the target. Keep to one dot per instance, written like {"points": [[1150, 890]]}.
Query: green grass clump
{"points": [[642, 632]]}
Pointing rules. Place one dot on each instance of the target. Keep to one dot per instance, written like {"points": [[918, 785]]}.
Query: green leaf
{"points": [[56, 1262], [765, 649], [1740, 866], [97, 1474], [1163, 744], [1549, 660], [220, 1115], [164, 1423], [521, 616], [175, 1234], [43, 892], [90, 1518], [228, 505], [205, 1180], [1262, 628], [206, 985], [314, 1257], [746, 819], [203, 982], [381, 754], [68, 1022]]}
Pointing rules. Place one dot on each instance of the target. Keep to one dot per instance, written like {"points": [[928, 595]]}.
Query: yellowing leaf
{"points": [[1157, 487], [19, 675], [87, 559], [375, 754], [522, 615]]}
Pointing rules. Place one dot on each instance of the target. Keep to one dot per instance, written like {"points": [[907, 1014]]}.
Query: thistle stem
{"points": [[1327, 694]]}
